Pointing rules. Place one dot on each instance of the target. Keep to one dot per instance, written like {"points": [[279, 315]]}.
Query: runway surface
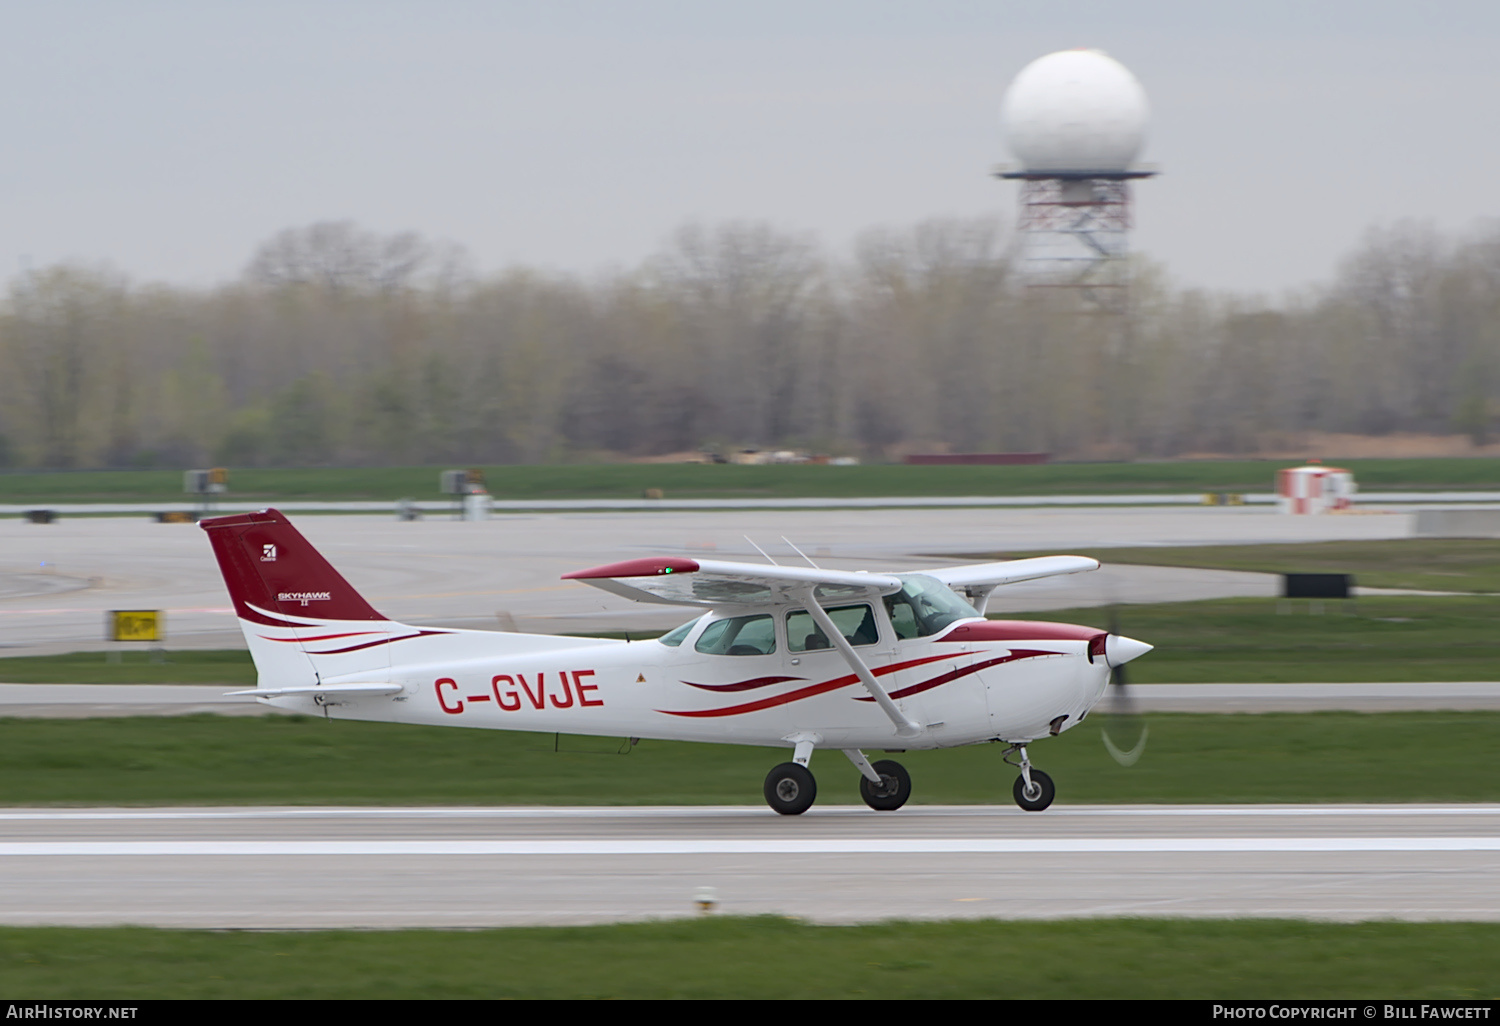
{"points": [[375, 868], [58, 580]]}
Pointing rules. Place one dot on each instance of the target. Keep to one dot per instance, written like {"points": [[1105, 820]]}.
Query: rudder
{"points": [[302, 620]]}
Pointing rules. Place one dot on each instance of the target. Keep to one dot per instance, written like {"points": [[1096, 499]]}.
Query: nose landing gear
{"points": [[1033, 789], [1037, 795]]}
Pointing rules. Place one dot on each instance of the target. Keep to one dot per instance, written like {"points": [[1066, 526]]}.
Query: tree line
{"points": [[339, 346]]}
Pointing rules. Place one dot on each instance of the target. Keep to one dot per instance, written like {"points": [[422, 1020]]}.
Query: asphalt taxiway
{"points": [[57, 581], [299, 868]]}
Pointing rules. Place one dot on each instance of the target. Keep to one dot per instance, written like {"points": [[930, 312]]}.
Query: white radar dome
{"points": [[1075, 110]]}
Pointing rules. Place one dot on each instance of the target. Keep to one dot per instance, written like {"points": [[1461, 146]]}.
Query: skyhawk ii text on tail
{"points": [[786, 657]]}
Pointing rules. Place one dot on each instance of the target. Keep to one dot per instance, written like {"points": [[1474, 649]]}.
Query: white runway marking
{"points": [[296, 867], [750, 846]]}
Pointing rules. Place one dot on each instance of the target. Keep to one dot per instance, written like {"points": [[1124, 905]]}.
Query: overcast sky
{"points": [[169, 139]]}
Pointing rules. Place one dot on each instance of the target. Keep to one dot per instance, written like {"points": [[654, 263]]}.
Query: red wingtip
{"points": [[652, 567]]}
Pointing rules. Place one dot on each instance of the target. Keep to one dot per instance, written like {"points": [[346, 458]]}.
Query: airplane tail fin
{"points": [[302, 621]]}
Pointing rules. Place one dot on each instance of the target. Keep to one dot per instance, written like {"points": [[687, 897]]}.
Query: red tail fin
{"points": [[268, 565]]}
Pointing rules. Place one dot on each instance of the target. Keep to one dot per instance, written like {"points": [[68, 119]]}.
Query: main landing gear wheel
{"points": [[1041, 794], [892, 791], [790, 789]]}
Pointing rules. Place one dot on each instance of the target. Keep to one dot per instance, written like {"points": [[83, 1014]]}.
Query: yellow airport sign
{"points": [[134, 625]]}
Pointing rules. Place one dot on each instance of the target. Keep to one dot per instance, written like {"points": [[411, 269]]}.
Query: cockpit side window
{"points": [[855, 623], [739, 635], [903, 617]]}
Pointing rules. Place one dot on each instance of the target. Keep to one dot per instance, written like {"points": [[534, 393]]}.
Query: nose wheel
{"points": [[1038, 795], [1033, 789]]}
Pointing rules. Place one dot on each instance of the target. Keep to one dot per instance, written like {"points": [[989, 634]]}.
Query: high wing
{"points": [[977, 580], [705, 582], [702, 582], [1013, 571]]}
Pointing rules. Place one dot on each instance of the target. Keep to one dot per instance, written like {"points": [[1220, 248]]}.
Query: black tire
{"points": [[790, 789], [1045, 792], [894, 789]]}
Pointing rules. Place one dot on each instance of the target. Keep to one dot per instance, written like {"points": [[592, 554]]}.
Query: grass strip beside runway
{"points": [[769, 957], [1423, 564], [212, 760], [1387, 638], [230, 667]]}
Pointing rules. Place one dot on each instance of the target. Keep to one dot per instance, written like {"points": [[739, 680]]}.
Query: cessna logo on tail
{"points": [[303, 596], [268, 553]]}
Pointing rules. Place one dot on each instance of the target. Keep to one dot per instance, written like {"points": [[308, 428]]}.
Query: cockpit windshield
{"points": [[924, 606], [679, 635]]}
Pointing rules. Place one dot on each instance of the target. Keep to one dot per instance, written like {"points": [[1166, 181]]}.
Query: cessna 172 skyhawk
{"points": [[782, 656]]}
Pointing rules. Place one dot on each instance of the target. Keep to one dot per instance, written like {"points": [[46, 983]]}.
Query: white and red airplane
{"points": [[781, 656]]}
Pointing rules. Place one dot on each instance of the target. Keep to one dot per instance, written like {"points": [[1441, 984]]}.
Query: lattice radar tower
{"points": [[1076, 121]]}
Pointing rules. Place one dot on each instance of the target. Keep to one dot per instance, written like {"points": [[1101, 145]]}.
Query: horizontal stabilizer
{"points": [[332, 690]]}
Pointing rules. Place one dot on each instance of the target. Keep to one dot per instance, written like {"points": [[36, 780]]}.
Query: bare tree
{"points": [[340, 257]]}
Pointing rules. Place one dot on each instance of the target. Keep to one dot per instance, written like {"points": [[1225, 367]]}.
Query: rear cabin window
{"points": [[856, 623], [739, 636]]}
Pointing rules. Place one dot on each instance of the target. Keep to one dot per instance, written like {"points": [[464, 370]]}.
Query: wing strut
{"points": [[979, 597], [904, 726]]}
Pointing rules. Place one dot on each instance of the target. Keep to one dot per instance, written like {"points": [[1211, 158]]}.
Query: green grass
{"points": [[213, 760], [1424, 564], [628, 480], [766, 957], [189, 666]]}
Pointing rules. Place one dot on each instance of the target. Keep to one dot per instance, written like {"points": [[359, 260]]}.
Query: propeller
{"points": [[1120, 712]]}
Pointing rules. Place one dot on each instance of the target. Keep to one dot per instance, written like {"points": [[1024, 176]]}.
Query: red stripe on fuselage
{"points": [[322, 637], [808, 692], [744, 685], [352, 648], [963, 671], [990, 631], [382, 641]]}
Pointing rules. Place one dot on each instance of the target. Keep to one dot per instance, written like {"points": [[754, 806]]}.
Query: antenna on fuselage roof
{"points": [[801, 553], [762, 551]]}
